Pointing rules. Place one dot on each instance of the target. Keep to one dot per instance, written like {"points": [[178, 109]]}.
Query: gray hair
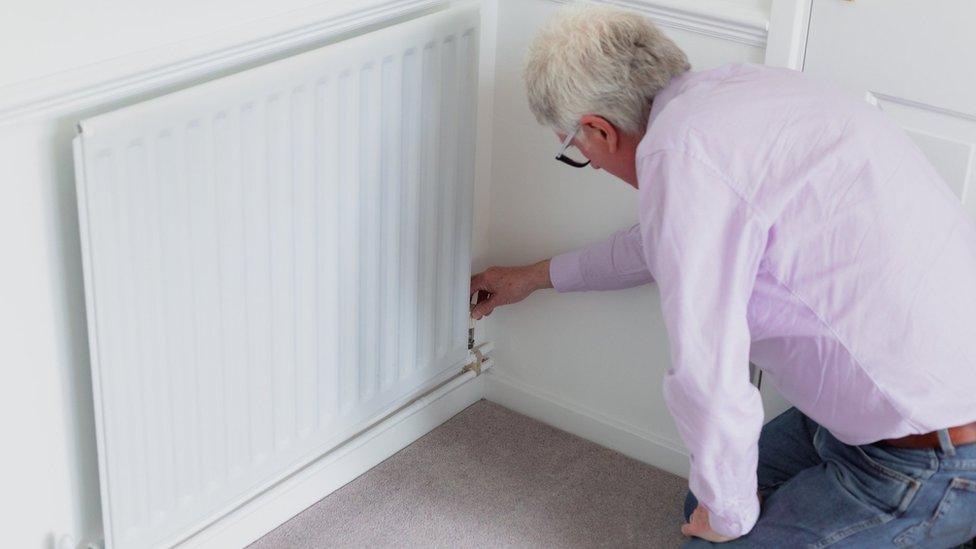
{"points": [[599, 60]]}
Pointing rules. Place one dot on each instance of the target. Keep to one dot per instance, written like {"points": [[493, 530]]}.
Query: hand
{"points": [[698, 527], [507, 285]]}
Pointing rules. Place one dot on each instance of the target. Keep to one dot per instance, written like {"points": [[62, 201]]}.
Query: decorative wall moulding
{"points": [[137, 75], [716, 19]]}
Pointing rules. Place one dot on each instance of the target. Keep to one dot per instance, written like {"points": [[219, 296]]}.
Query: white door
{"points": [[914, 59]]}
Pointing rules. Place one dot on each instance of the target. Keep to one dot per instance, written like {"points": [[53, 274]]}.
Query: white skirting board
{"points": [[589, 424], [290, 497]]}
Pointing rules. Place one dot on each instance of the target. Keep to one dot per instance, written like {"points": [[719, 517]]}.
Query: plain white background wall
{"points": [[601, 354], [48, 467], [62, 35], [605, 352], [48, 470]]}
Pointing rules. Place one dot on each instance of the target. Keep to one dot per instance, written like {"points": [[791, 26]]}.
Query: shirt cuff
{"points": [[735, 526], [566, 273]]}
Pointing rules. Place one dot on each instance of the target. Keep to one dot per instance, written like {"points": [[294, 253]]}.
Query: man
{"points": [[785, 223]]}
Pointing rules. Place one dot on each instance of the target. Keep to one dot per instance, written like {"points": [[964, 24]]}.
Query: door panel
{"points": [[913, 60]]}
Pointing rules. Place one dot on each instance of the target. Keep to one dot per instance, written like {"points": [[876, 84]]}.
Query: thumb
{"points": [[485, 307]]}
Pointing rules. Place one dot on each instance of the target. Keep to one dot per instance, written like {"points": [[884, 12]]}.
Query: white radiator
{"points": [[272, 261]]}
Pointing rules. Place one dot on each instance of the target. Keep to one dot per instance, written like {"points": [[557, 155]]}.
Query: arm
{"points": [[705, 244], [507, 285], [611, 264]]}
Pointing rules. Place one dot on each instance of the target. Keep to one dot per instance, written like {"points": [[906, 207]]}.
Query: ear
{"points": [[599, 129]]}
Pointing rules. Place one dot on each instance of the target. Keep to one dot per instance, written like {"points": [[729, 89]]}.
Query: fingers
{"points": [[697, 525], [692, 528], [478, 283], [485, 307], [504, 286]]}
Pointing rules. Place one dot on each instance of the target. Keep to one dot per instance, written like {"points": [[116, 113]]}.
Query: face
{"points": [[606, 148]]}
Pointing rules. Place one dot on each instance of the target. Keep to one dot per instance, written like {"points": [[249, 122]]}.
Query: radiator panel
{"points": [[273, 259]]}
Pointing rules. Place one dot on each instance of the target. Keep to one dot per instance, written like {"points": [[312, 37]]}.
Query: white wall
{"points": [[597, 355], [48, 470], [600, 353], [42, 38], [61, 62]]}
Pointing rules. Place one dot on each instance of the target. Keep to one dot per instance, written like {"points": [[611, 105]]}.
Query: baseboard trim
{"points": [[589, 424], [290, 497], [721, 20]]}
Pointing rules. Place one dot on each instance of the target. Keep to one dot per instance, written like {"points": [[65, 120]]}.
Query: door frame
{"points": [[789, 24]]}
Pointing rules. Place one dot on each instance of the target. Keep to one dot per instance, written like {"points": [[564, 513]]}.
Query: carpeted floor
{"points": [[490, 477]]}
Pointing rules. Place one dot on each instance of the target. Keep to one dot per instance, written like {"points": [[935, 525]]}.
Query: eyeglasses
{"points": [[561, 155]]}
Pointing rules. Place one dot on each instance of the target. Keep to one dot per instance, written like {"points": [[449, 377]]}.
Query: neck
{"points": [[628, 144]]}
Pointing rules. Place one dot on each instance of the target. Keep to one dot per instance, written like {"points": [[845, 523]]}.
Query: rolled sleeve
{"points": [[705, 242], [614, 263]]}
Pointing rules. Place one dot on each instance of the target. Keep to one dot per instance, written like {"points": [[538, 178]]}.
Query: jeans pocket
{"points": [[881, 493], [882, 469], [953, 522], [889, 489]]}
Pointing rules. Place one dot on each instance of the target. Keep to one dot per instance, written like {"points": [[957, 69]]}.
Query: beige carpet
{"points": [[490, 477]]}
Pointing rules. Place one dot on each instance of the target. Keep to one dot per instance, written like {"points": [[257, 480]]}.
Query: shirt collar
{"points": [[669, 92]]}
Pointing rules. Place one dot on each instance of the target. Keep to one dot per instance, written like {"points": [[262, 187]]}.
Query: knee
{"points": [[690, 504]]}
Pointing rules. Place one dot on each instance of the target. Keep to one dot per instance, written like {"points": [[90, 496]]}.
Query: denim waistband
{"points": [[963, 458]]}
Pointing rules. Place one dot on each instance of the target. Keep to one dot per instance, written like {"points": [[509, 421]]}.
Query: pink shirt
{"points": [[794, 226]]}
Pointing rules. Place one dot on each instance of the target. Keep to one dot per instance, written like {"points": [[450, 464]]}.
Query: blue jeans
{"points": [[819, 492]]}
